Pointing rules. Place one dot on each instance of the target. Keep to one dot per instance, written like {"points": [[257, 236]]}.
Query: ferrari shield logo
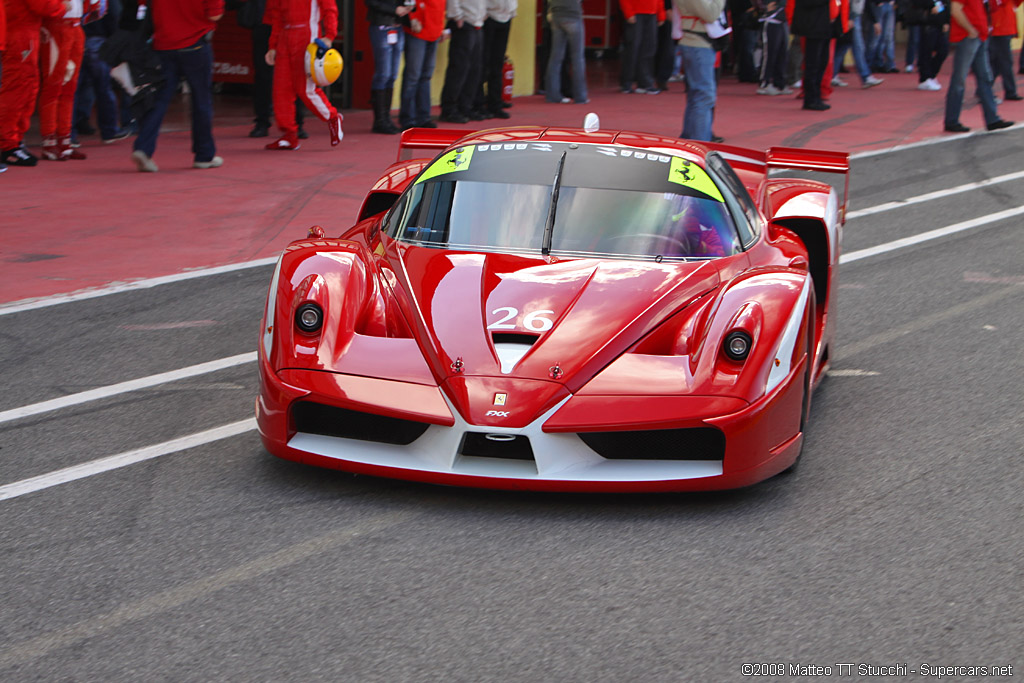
{"points": [[499, 399]]}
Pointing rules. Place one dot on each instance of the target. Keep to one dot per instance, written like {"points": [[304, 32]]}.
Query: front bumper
{"points": [[760, 440]]}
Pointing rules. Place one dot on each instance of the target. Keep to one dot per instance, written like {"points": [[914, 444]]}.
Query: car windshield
{"points": [[611, 201]]}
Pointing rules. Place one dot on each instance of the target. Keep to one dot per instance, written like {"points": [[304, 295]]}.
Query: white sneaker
{"points": [[143, 162], [769, 89], [871, 81], [909, 69], [838, 82], [930, 84], [215, 162]]}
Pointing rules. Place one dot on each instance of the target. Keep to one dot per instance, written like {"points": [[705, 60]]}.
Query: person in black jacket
{"points": [[933, 45], [94, 85], [812, 21], [387, 40]]}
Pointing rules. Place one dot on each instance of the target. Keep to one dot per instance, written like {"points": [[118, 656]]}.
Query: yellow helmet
{"points": [[323, 63]]}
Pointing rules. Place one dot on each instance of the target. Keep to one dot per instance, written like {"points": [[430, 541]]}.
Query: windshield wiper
{"points": [[545, 248]]}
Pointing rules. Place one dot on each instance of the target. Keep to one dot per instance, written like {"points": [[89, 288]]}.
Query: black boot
{"points": [[381, 121], [389, 94]]}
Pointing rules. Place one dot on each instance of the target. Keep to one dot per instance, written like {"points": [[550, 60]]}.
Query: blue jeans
{"points": [[699, 67], [386, 57], [94, 87], [1001, 61], [195, 65], [883, 55], [913, 38], [970, 54], [860, 61], [420, 56], [566, 32]]}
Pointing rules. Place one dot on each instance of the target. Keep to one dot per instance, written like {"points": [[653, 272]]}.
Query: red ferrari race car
{"points": [[561, 310]]}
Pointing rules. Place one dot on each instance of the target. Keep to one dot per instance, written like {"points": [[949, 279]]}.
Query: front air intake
{"points": [[696, 443], [316, 418], [508, 446]]}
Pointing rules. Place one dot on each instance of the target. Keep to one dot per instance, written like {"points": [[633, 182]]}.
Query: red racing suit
{"points": [[63, 42], [21, 66], [294, 24]]}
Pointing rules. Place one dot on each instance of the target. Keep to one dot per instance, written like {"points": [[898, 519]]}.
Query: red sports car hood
{"points": [[492, 321]]}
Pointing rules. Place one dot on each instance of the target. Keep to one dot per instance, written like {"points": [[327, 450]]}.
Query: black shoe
{"points": [[426, 124], [892, 70], [717, 138], [999, 125], [259, 131], [302, 134], [84, 128], [506, 105], [1013, 98], [453, 118], [817, 106], [119, 135], [955, 128], [19, 156], [499, 114], [477, 116]]}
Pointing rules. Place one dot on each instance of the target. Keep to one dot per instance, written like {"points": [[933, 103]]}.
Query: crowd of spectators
{"points": [[65, 57]]}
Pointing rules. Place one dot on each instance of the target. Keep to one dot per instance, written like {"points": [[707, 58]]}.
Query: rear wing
{"points": [[812, 160], [431, 140]]}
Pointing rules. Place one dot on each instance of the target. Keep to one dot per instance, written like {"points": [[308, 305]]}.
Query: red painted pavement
{"points": [[73, 225]]}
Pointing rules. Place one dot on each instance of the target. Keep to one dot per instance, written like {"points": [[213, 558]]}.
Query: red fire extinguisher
{"points": [[508, 74]]}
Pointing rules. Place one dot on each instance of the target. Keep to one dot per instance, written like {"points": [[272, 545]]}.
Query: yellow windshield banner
{"points": [[685, 172], [455, 160]]}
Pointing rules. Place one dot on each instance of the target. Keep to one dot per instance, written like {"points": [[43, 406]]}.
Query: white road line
{"points": [[931, 235], [124, 387], [118, 287], [113, 462], [922, 143], [939, 194]]}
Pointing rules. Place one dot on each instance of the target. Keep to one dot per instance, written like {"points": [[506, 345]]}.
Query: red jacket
{"points": [[282, 14], [3, 27], [181, 23], [28, 15], [975, 11], [430, 13], [631, 8], [1004, 17]]}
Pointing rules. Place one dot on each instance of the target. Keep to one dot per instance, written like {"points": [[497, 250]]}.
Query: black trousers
{"points": [[462, 77], [639, 42], [815, 61], [488, 96]]}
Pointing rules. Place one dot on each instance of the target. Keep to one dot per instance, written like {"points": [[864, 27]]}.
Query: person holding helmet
{"points": [[300, 56]]}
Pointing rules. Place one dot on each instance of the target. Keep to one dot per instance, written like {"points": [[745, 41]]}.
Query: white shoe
{"points": [[799, 83], [215, 162], [930, 84], [769, 89], [838, 82], [909, 69], [871, 81], [143, 162]]}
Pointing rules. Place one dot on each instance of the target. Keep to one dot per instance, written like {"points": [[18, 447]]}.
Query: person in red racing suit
{"points": [[294, 24], [63, 43], [21, 74]]}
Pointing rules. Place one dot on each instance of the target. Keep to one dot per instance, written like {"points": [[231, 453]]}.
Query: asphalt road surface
{"points": [[896, 542]]}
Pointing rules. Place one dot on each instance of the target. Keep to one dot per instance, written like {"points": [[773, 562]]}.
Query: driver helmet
{"points": [[323, 63]]}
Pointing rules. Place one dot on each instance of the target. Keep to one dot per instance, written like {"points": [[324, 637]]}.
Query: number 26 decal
{"points": [[535, 321]]}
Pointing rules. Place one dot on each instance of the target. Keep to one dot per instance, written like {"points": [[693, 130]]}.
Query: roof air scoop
{"points": [[591, 124], [511, 347]]}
